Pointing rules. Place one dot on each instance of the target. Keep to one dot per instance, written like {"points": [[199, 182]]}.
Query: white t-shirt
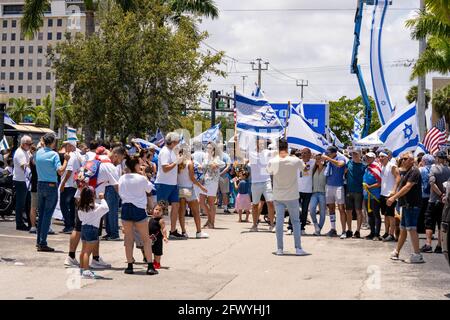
{"points": [[93, 217], [107, 176], [258, 166], [285, 177], [133, 188], [198, 156], [167, 156], [305, 180], [21, 157], [387, 179], [73, 165], [90, 155], [120, 169]]}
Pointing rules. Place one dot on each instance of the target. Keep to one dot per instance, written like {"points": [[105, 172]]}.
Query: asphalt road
{"points": [[232, 264]]}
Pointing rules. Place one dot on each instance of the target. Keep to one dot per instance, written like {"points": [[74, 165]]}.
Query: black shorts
{"points": [[433, 215], [157, 247], [385, 210], [353, 200], [78, 224]]}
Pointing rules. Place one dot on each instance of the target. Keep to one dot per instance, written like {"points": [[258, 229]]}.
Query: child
{"points": [[243, 202], [90, 214], [157, 231]]}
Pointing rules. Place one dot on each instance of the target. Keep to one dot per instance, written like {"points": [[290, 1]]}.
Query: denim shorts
{"points": [[132, 213], [167, 192], [410, 217], [89, 233]]}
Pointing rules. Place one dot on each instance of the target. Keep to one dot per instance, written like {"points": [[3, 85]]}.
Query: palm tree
{"points": [[19, 108], [441, 8], [441, 102]]}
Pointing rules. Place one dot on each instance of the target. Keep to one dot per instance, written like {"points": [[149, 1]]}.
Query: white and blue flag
{"points": [[4, 144], [146, 144], [212, 134], [383, 102], [8, 119], [357, 128], [158, 138], [300, 134], [256, 116], [335, 140], [401, 132]]}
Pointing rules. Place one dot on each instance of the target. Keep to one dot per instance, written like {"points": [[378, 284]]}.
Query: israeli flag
{"points": [[146, 144], [4, 144], [8, 120], [72, 134], [382, 99], [335, 139], [401, 132], [212, 134], [357, 128], [256, 116], [300, 134], [158, 138]]}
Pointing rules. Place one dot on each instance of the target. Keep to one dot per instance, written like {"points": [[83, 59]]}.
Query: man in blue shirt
{"points": [[372, 194], [48, 167], [334, 189]]}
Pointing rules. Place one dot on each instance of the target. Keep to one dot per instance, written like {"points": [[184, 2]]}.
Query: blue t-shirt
{"points": [[227, 160], [370, 179], [355, 175], [47, 163], [425, 175], [335, 174], [244, 187]]}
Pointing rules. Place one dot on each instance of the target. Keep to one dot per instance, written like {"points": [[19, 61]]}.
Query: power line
{"points": [[310, 9]]}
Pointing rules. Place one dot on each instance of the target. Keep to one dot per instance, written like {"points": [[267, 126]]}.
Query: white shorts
{"points": [[335, 194], [262, 188], [212, 188]]}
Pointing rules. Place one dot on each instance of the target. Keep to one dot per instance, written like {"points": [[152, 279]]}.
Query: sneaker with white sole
{"points": [[88, 274], [415, 258], [71, 263], [33, 230], [202, 235], [300, 252], [51, 232], [272, 229], [395, 255], [254, 229], [343, 235], [303, 233], [185, 235], [100, 264], [279, 252], [289, 232]]}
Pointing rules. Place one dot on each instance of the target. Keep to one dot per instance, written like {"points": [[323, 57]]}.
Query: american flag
{"points": [[434, 139], [441, 124]]}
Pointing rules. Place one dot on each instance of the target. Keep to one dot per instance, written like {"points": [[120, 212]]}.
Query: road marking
{"points": [[23, 237]]}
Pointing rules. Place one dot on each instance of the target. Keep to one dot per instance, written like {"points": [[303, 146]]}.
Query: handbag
{"points": [[185, 193]]}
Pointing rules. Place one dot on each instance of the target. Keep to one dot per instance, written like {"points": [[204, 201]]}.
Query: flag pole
{"points": [[235, 126], [287, 119]]}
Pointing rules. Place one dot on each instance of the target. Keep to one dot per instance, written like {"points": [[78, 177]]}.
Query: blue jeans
{"points": [[410, 217], [47, 199], [67, 205], [22, 196], [318, 198], [294, 214], [112, 217]]}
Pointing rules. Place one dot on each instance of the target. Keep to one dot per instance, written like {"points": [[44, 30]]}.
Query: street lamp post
{"points": [[3, 102]]}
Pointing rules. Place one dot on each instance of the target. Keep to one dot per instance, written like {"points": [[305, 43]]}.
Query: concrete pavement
{"points": [[232, 264]]}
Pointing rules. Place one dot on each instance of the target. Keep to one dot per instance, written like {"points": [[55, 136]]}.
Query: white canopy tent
{"points": [[370, 141]]}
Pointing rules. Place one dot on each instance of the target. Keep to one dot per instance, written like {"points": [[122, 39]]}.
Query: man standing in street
{"points": [[21, 165], [224, 181], [440, 173], [410, 198], [284, 169], [372, 190], [334, 189]]}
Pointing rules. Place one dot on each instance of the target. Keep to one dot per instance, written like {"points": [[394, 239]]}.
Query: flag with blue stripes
{"points": [[335, 139], [212, 134], [256, 116], [357, 127], [401, 132], [71, 134], [8, 119], [146, 144], [158, 138], [4, 144]]}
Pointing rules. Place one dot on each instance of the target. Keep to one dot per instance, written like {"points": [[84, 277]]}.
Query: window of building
{"points": [[20, 89], [48, 76], [20, 75], [49, 36], [3, 50], [49, 49], [40, 50], [29, 89], [12, 50], [59, 22], [14, 23], [48, 63], [58, 36], [22, 36], [21, 63], [38, 90], [30, 62], [13, 37], [21, 49], [30, 75], [48, 89], [4, 37], [11, 75], [30, 49], [50, 23], [12, 63], [11, 89], [40, 36], [3, 62], [2, 76], [39, 76], [39, 62], [38, 101], [5, 23], [12, 9]]}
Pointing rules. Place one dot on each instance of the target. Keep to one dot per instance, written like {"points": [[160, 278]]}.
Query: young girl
{"points": [[90, 214], [243, 202]]}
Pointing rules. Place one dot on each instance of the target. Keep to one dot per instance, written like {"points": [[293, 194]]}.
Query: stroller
{"points": [[7, 195]]}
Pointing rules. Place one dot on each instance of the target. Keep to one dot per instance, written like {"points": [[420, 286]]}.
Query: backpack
{"points": [[88, 173]]}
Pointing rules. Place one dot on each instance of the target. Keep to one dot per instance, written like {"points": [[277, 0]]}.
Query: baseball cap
{"points": [[441, 154], [371, 155], [332, 149]]}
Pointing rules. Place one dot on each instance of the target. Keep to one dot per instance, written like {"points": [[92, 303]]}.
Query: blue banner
{"points": [[316, 114]]}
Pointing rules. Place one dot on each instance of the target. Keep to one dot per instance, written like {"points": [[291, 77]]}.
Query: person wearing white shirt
{"points": [[21, 162], [284, 169], [134, 189]]}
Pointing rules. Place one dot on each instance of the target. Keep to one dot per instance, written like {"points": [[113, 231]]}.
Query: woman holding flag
{"points": [[372, 190]]}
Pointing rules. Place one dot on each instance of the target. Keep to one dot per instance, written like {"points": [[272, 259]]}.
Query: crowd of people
{"points": [[99, 183]]}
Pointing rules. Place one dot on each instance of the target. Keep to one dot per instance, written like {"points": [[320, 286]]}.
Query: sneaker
{"points": [[316, 233], [175, 236], [426, 248], [151, 270], [67, 230], [100, 264], [45, 249], [71, 263], [438, 249], [185, 235], [349, 233], [343, 235], [202, 235], [357, 235], [88, 274], [114, 239], [332, 233], [279, 252], [415, 258], [395, 255], [289, 232], [369, 237], [33, 230], [129, 271], [303, 233], [23, 228], [272, 229], [156, 265], [300, 252], [389, 238], [51, 232], [254, 229], [226, 211], [377, 238], [385, 235]]}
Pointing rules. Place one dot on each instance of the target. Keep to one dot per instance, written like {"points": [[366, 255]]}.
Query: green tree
{"points": [[441, 102], [412, 95], [342, 113], [122, 78], [19, 108]]}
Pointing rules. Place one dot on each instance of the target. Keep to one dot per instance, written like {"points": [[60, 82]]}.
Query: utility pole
{"points": [[260, 68], [421, 101], [52, 111], [213, 107], [302, 84], [243, 83]]}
